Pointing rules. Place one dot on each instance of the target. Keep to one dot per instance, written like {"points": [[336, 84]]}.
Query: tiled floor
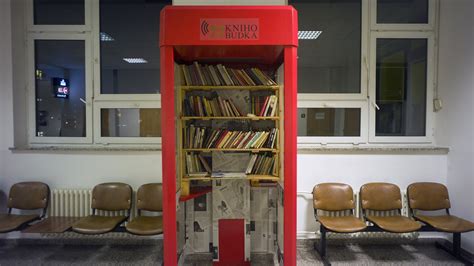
{"points": [[146, 252]]}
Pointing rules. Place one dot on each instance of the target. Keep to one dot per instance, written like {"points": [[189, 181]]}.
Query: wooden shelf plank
{"points": [[248, 177], [272, 87], [243, 150], [230, 118]]}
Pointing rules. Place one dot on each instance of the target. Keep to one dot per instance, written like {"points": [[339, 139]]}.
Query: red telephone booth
{"points": [[264, 40]]}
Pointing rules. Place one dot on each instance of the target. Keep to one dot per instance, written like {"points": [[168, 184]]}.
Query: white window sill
{"points": [[87, 148], [373, 149]]}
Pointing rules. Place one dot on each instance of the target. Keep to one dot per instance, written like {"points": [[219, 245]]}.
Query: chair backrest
{"points": [[28, 196], [333, 197], [380, 197], [427, 196], [149, 197], [112, 197]]}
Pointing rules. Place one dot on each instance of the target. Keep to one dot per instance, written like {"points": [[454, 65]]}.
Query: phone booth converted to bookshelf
{"points": [[228, 93]]}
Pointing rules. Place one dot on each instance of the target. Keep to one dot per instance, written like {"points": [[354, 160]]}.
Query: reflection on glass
{"points": [[129, 30], [60, 89], [401, 87], [331, 62], [54, 12], [402, 11], [329, 122], [130, 122]]}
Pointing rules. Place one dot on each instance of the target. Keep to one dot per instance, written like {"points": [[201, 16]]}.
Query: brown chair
{"points": [[385, 197], [335, 197], [24, 196], [149, 198], [426, 196], [106, 197]]}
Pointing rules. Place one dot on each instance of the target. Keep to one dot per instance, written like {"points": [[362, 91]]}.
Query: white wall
{"points": [[456, 85]]}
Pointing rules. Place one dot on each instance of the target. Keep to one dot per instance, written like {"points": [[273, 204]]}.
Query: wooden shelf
{"points": [[243, 150], [248, 177], [230, 118], [255, 88]]}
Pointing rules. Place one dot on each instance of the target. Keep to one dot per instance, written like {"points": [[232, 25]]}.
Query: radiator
{"points": [[77, 203]]}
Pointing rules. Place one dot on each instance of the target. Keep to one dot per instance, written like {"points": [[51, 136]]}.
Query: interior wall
{"points": [[456, 90]]}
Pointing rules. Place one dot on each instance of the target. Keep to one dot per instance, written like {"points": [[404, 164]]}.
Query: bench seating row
{"points": [[385, 197], [106, 197]]}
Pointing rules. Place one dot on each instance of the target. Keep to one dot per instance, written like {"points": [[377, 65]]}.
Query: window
{"points": [[54, 12], [129, 53], [361, 82], [94, 59], [402, 79], [329, 60], [408, 11], [60, 88]]}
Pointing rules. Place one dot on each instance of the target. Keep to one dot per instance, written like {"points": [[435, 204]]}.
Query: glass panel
{"points": [[130, 122], [60, 88], [329, 50], [54, 12], [130, 56], [329, 122], [401, 87], [402, 11]]}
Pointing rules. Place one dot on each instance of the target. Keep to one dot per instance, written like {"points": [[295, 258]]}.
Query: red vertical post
{"points": [[168, 134], [290, 150]]}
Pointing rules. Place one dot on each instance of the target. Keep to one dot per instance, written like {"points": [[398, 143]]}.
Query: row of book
{"points": [[264, 105], [262, 164], [216, 106], [219, 75], [203, 137], [196, 165]]}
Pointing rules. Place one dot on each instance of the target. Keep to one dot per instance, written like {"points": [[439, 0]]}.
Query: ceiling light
{"points": [[134, 60], [309, 34], [104, 37]]}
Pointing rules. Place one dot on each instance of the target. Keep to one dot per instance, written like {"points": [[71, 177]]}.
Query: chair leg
{"points": [[454, 249], [322, 246]]}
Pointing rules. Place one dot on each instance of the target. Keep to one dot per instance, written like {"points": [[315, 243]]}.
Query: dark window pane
{"points": [[402, 11], [60, 88], [130, 56], [130, 122], [401, 87], [331, 62], [58, 12], [329, 122]]}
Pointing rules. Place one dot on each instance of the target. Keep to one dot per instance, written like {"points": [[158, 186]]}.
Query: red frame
{"points": [[277, 43]]}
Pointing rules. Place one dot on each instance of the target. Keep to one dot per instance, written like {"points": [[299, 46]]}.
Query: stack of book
{"points": [[196, 165], [215, 106], [264, 105], [219, 75], [261, 164], [202, 137]]}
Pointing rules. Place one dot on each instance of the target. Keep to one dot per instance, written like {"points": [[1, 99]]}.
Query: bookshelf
{"points": [[205, 209], [200, 103]]}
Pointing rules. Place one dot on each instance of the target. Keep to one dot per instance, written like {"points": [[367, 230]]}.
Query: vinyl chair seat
{"points": [[342, 224], [97, 224], [146, 225], [447, 223], [395, 224], [10, 222]]}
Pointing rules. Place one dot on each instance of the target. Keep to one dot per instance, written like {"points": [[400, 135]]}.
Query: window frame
{"points": [[99, 140], [364, 67], [57, 27], [324, 140], [430, 64], [99, 96], [432, 5], [31, 87]]}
